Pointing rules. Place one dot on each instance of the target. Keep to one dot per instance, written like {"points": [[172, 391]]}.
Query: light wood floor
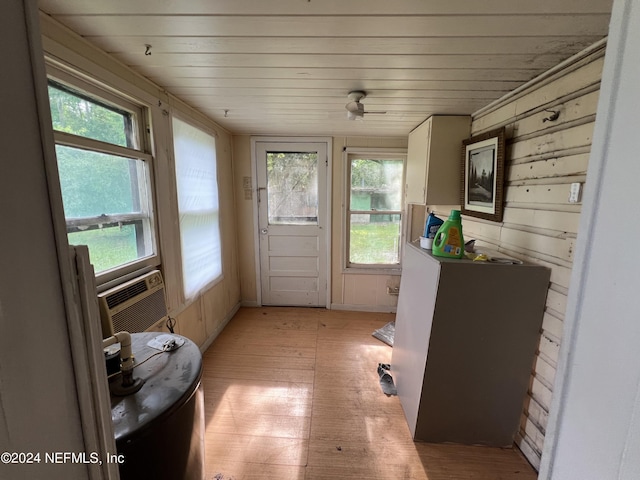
{"points": [[293, 393]]}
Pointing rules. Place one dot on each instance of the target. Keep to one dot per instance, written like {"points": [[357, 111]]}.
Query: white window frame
{"points": [[370, 153], [82, 85]]}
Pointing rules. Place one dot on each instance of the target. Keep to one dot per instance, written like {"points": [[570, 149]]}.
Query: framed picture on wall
{"points": [[483, 175]]}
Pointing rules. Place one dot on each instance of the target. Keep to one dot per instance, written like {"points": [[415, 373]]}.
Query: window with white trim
{"points": [[104, 176], [374, 210], [198, 206]]}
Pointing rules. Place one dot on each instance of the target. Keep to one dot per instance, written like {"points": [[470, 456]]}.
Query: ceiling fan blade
{"points": [[357, 115], [354, 106]]}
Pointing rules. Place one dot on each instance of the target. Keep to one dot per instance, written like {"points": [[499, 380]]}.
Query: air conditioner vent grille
{"points": [[127, 293], [134, 306], [139, 316]]}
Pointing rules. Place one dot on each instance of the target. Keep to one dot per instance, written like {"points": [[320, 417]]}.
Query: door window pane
{"points": [[292, 188]]}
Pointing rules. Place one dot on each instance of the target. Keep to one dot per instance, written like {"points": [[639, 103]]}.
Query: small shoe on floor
{"points": [[386, 380], [383, 366]]}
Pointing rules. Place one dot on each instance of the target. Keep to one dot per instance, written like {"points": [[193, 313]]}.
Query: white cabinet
{"points": [[433, 160], [465, 338]]}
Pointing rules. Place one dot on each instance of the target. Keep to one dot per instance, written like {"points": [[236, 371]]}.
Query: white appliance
{"points": [[135, 306]]}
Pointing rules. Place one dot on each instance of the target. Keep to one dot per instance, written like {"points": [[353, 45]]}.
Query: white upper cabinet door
{"points": [[434, 160]]}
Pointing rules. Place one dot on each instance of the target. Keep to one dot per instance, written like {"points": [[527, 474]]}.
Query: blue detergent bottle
{"points": [[432, 225], [449, 241]]}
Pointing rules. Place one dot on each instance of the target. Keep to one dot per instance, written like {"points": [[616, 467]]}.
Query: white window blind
{"points": [[198, 206]]}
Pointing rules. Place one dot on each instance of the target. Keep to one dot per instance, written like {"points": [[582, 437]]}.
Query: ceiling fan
{"points": [[355, 109]]}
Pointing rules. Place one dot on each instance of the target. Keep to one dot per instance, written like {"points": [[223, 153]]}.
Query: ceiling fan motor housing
{"points": [[356, 95]]}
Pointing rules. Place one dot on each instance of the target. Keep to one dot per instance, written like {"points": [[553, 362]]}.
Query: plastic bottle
{"points": [[432, 225], [449, 241]]}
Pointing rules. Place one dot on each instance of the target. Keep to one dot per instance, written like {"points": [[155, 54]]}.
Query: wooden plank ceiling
{"points": [[285, 67]]}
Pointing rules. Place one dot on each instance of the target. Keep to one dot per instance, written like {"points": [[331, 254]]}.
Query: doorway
{"points": [[293, 234]]}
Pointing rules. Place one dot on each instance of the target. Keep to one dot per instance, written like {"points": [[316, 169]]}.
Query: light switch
{"points": [[574, 193], [246, 182]]}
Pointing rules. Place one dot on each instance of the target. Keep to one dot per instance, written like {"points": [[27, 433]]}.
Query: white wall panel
{"points": [[543, 158], [595, 416]]}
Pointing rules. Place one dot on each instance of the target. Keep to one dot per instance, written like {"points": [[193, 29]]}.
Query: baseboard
{"points": [[251, 304], [342, 306], [216, 332], [364, 308]]}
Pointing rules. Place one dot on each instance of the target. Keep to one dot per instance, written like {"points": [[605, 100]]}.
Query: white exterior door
{"points": [[292, 222]]}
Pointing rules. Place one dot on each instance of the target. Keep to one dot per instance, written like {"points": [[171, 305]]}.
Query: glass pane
{"points": [[94, 183], [374, 239], [76, 114], [376, 184], [292, 188], [109, 247]]}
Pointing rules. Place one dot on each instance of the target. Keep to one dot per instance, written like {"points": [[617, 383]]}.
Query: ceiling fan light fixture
{"points": [[355, 110]]}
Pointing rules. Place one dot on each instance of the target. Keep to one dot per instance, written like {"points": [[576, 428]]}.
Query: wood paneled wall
{"points": [[543, 158], [201, 318]]}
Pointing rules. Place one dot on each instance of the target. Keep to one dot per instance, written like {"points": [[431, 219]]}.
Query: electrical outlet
{"points": [[574, 193]]}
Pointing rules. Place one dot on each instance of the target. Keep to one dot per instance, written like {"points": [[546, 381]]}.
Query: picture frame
{"points": [[482, 185]]}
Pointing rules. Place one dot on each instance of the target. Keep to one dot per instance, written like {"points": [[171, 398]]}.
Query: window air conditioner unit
{"points": [[134, 306]]}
